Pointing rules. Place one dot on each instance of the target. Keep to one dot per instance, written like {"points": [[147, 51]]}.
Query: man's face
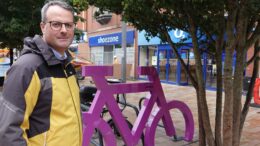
{"points": [[57, 30]]}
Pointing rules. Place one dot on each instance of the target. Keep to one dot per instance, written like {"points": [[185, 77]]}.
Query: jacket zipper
{"points": [[64, 69], [45, 139]]}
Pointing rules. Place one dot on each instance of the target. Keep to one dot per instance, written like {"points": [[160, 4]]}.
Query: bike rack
{"points": [[104, 96]]}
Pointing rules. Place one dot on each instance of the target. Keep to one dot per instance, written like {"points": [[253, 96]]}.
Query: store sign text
{"points": [[111, 39], [108, 39], [179, 34]]}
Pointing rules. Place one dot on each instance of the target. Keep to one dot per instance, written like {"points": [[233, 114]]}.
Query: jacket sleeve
{"points": [[15, 107]]}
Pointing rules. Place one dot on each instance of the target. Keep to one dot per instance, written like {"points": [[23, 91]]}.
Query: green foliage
{"points": [[21, 18], [158, 16], [18, 20], [78, 34]]}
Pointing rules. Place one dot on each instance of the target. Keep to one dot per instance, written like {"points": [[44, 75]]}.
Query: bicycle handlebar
{"points": [[108, 71], [97, 71]]}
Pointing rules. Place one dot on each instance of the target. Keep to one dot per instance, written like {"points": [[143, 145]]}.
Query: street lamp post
{"points": [[123, 66], [123, 61]]}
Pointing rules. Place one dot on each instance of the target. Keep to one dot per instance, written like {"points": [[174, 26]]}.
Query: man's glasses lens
{"points": [[58, 25]]}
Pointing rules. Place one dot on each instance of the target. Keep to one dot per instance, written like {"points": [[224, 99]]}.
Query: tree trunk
{"points": [[239, 69], [218, 118], [237, 93], [228, 75], [202, 134], [201, 92], [228, 103]]}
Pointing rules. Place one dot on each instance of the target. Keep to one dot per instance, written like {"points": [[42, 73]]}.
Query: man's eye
{"points": [[56, 24], [68, 25]]}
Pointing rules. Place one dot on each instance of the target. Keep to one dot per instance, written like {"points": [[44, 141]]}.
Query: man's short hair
{"points": [[60, 3]]}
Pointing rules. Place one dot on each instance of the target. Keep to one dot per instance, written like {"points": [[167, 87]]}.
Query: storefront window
{"points": [[108, 55]]}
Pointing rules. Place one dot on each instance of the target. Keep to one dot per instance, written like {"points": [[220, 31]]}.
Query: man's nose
{"points": [[63, 28]]}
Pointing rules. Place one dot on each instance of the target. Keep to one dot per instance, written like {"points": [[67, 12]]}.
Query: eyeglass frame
{"points": [[67, 25]]}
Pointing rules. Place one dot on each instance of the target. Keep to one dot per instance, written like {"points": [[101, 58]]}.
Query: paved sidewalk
{"points": [[250, 136], [251, 131]]}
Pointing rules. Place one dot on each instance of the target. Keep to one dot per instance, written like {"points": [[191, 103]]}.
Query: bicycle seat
{"points": [[114, 81]]}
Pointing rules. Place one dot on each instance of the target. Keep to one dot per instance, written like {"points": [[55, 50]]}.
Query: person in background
{"points": [[40, 104], [115, 61]]}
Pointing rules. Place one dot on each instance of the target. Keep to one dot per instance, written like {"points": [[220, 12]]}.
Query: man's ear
{"points": [[42, 25]]}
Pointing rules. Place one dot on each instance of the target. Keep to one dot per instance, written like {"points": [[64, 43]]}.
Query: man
{"points": [[115, 61], [40, 104]]}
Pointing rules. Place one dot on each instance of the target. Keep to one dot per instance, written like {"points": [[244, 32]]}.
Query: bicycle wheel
{"points": [[104, 132], [115, 129], [141, 102], [121, 100], [188, 120]]}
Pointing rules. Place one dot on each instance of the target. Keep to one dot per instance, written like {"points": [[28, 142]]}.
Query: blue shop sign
{"points": [[176, 35], [111, 39]]}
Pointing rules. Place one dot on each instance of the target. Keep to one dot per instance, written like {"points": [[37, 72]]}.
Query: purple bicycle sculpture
{"points": [[105, 97]]}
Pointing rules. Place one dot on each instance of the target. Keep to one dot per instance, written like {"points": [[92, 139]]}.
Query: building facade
{"points": [[104, 42], [161, 56], [102, 45]]}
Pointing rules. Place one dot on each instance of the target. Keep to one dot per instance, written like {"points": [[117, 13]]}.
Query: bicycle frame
{"points": [[105, 96]]}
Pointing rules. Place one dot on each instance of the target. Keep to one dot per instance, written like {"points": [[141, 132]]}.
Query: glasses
{"points": [[55, 25]]}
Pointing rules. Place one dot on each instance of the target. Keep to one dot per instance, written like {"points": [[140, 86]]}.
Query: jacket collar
{"points": [[47, 53]]}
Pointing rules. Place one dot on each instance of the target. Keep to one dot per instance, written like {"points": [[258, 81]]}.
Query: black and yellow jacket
{"points": [[40, 105]]}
